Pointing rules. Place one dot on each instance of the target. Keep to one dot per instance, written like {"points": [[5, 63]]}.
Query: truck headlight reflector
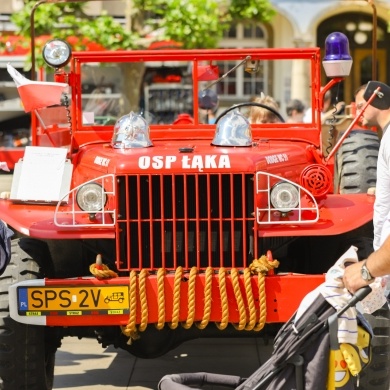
{"points": [[284, 196], [57, 53], [91, 197]]}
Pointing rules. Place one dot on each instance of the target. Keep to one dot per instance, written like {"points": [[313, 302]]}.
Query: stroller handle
{"points": [[362, 293], [196, 380], [357, 297]]}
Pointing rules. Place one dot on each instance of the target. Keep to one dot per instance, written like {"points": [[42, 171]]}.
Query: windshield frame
{"points": [[196, 130]]}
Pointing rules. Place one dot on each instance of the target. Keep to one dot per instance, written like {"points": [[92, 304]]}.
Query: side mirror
{"points": [[382, 99], [252, 66], [208, 99]]}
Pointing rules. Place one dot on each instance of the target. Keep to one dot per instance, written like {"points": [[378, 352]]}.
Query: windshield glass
{"points": [[163, 91], [54, 116], [157, 91]]}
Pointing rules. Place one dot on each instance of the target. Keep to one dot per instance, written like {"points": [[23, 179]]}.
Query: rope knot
{"points": [[263, 265], [100, 270]]}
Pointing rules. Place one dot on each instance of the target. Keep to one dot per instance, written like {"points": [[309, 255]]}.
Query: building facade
{"points": [[298, 23], [308, 23]]}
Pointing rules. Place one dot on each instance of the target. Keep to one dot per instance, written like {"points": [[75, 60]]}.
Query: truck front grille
{"points": [[167, 221]]}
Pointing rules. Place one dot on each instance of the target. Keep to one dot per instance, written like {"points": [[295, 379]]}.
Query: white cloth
{"points": [[337, 295], [4, 166], [307, 117], [382, 193]]}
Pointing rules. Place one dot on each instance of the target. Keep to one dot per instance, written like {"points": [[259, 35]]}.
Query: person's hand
{"points": [[352, 277], [333, 110], [339, 107]]}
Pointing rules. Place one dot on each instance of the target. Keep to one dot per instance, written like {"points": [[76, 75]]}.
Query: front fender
{"points": [[37, 221], [338, 213]]}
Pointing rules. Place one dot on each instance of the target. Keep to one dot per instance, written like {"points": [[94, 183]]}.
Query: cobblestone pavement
{"points": [[84, 364]]}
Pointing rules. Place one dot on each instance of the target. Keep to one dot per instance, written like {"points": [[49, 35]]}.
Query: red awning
{"points": [[162, 45]]}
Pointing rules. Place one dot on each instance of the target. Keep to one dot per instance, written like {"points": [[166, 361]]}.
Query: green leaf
{"points": [[194, 23]]}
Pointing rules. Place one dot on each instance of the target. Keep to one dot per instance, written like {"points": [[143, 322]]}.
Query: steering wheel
{"points": [[250, 104]]}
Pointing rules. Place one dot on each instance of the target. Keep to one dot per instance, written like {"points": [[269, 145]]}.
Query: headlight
{"points": [[284, 196], [91, 197], [57, 53]]}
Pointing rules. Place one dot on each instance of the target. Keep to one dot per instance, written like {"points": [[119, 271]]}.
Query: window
{"points": [[240, 85], [253, 31]]}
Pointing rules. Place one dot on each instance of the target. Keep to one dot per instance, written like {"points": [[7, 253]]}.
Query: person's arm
{"points": [[378, 264]]}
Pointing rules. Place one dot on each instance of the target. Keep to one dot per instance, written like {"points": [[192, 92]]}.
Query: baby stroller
{"points": [[307, 352]]}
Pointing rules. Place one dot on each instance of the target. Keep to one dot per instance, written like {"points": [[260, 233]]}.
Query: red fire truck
{"points": [[142, 224]]}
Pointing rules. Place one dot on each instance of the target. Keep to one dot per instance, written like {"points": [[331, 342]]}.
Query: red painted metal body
{"points": [[282, 299], [37, 220], [185, 202]]}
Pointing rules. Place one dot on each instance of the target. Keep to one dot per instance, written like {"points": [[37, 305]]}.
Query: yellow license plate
{"points": [[45, 300]]}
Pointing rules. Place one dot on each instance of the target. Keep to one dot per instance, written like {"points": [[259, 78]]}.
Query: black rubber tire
{"points": [[67, 258], [356, 161], [376, 375], [27, 352]]}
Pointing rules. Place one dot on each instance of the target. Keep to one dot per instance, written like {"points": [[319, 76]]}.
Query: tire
{"points": [[356, 161], [27, 352], [376, 375]]}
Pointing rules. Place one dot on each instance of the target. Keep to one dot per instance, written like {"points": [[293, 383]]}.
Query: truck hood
{"points": [[194, 157]]}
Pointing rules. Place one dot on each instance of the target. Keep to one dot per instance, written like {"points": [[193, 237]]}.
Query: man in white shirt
{"points": [[379, 118], [377, 114]]}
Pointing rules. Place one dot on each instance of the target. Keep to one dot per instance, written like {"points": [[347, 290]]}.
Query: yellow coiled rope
{"points": [[191, 299], [246, 307], [261, 267], [224, 303], [161, 298], [144, 301], [131, 328], [207, 299], [176, 298], [239, 299]]}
